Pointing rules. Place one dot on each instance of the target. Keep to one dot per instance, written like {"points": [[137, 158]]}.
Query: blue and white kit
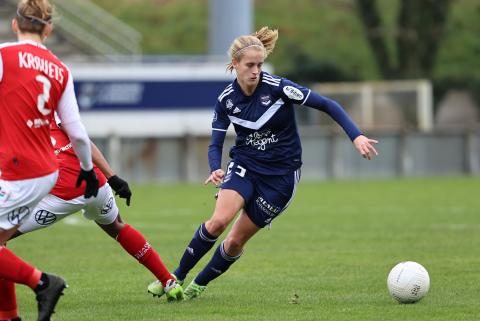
{"points": [[267, 146]]}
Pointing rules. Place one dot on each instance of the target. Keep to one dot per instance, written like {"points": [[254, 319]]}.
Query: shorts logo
{"points": [[2, 193], [293, 93], [267, 208], [43, 217], [107, 207], [16, 216]]}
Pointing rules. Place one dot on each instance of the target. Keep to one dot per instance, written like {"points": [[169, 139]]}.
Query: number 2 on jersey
{"points": [[45, 96]]}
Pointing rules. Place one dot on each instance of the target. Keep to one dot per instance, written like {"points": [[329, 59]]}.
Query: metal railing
{"points": [[96, 29]]}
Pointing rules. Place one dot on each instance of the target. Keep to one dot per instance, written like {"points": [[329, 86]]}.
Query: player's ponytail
{"points": [[264, 39], [268, 37], [34, 15]]}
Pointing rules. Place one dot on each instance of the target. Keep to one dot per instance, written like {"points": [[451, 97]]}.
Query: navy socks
{"points": [[200, 244], [219, 263]]}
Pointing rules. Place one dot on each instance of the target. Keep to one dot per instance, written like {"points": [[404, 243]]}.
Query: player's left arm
{"points": [[363, 144], [119, 185], [304, 96]]}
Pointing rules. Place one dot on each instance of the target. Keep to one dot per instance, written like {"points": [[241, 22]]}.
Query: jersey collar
{"points": [[33, 43]]}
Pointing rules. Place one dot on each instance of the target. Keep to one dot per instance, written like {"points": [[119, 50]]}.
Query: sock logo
{"points": [[143, 251], [216, 270], [190, 251]]}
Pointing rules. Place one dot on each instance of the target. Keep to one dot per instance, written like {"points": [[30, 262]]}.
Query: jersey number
{"points": [[45, 96], [241, 170]]}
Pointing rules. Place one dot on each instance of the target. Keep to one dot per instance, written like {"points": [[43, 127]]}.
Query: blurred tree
{"points": [[309, 69], [420, 27]]}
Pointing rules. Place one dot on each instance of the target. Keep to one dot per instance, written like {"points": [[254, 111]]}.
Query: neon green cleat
{"points": [[174, 291], [193, 290], [156, 288]]}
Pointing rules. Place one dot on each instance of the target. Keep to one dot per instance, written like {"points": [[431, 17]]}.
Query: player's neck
{"points": [[30, 36], [247, 89]]}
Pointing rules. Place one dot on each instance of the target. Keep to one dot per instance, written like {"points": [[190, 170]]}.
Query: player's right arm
{"points": [[220, 125], [70, 118]]}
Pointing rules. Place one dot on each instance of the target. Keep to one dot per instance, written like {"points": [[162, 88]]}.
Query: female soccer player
{"points": [[264, 169], [64, 200], [33, 84]]}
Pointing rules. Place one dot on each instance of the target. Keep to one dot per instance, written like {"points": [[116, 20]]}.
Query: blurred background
{"points": [[148, 72]]}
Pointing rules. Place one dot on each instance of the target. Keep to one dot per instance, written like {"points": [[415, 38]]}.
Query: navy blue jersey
{"points": [[267, 139]]}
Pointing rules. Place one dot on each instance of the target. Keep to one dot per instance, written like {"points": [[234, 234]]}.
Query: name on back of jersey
{"points": [[28, 60]]}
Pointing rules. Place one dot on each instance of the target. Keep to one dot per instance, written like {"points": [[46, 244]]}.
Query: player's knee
{"points": [[216, 227], [233, 246]]}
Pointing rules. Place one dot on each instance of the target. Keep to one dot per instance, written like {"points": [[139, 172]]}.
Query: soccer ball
{"points": [[408, 282]]}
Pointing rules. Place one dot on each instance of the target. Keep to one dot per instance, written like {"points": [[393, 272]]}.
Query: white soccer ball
{"points": [[408, 282]]}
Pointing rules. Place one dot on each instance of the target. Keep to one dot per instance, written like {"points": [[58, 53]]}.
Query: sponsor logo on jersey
{"points": [[107, 207], [44, 217], [293, 93], [265, 100], [16, 216], [237, 110], [37, 123], [261, 139], [267, 208], [229, 103]]}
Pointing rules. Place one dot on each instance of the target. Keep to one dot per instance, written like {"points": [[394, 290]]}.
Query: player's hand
{"points": [[92, 182], [364, 146], [120, 187], [216, 177]]}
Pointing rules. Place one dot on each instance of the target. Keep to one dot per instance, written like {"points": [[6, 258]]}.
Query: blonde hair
{"points": [[34, 15], [264, 39]]}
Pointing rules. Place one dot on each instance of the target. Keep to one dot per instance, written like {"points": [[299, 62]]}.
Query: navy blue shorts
{"points": [[266, 196]]}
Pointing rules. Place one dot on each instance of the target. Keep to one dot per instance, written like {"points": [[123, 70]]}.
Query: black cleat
{"points": [[48, 297]]}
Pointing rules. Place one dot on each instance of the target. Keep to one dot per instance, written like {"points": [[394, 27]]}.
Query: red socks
{"points": [[135, 244], [8, 301], [14, 270]]}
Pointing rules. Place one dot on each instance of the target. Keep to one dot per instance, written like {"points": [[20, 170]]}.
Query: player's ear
{"points": [[14, 26], [47, 30], [235, 63]]}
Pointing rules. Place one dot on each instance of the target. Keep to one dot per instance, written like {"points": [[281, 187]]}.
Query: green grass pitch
{"points": [[326, 258]]}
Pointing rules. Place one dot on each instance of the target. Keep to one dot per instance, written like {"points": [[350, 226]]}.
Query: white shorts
{"points": [[18, 198], [51, 209]]}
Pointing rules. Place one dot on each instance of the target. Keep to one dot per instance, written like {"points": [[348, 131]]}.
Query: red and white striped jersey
{"points": [[32, 82]]}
